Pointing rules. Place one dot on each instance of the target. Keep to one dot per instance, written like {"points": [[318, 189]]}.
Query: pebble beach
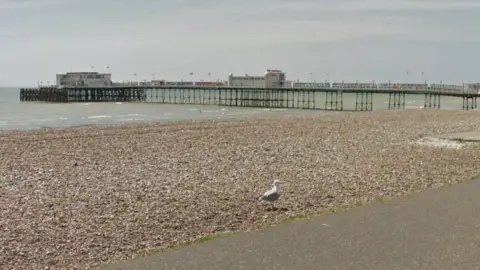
{"points": [[80, 197]]}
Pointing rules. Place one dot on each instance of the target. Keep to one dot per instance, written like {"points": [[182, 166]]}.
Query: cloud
{"points": [[211, 24], [355, 39], [4, 33], [30, 4], [378, 5], [14, 4]]}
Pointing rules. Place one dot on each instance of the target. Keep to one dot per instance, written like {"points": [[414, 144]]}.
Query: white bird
{"points": [[271, 195]]}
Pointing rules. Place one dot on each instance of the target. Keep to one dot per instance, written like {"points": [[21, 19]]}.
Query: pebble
{"points": [[90, 195]]}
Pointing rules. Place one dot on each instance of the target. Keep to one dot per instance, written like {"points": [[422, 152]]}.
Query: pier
{"points": [[292, 98]]}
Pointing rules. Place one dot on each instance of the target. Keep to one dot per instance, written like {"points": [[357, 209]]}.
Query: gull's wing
{"points": [[271, 195]]}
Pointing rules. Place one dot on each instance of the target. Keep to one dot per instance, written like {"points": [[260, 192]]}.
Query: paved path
{"points": [[438, 229]]}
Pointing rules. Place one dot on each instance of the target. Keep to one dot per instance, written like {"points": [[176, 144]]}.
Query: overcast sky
{"points": [[349, 39]]}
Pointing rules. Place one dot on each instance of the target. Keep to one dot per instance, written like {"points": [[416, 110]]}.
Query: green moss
{"points": [[205, 239], [336, 209]]}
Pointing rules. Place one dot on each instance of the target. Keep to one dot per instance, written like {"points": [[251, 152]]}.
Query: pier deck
{"points": [[295, 98]]}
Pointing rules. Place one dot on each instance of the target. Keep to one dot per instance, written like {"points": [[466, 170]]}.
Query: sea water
{"points": [[34, 115]]}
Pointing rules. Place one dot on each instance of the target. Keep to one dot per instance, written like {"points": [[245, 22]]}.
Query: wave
{"points": [[41, 120], [129, 115], [129, 119], [99, 116]]}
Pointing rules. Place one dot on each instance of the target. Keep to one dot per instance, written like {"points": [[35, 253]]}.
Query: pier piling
{"points": [[334, 100], [396, 101], [305, 99], [432, 101], [364, 101], [469, 102]]}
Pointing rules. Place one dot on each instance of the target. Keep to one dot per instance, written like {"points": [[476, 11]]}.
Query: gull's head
{"points": [[276, 183]]}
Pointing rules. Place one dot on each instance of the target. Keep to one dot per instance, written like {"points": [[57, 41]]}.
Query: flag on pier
{"points": [[191, 73]]}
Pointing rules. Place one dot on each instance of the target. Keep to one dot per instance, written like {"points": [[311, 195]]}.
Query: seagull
{"points": [[271, 195]]}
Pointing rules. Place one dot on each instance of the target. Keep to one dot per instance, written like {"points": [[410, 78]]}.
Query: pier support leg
{"points": [[469, 102], [364, 101], [311, 99], [396, 101], [334, 101], [432, 101]]}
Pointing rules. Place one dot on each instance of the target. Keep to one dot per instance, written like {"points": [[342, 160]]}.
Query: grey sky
{"points": [[349, 39]]}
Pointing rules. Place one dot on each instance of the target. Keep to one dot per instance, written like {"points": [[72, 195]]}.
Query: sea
{"points": [[16, 115]]}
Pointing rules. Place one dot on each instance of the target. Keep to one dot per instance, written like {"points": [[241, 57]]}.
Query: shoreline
{"points": [[82, 197], [282, 113], [180, 113]]}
